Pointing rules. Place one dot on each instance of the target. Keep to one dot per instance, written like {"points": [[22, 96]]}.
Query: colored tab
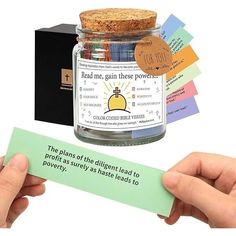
{"points": [[170, 26], [182, 60], [127, 52], [188, 90], [180, 39], [182, 78], [120, 180], [147, 132], [115, 51], [182, 109]]}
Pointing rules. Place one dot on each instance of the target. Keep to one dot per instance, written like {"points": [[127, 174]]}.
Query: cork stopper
{"points": [[118, 19]]}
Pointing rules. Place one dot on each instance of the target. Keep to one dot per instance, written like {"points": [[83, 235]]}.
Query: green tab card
{"points": [[123, 181]]}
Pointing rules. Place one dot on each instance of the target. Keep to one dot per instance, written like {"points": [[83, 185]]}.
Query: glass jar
{"points": [[115, 102]]}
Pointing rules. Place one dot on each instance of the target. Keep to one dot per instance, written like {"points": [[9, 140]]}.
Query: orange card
{"points": [[181, 60]]}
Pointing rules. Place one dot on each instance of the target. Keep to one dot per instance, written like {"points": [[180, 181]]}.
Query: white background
{"points": [[64, 209]]}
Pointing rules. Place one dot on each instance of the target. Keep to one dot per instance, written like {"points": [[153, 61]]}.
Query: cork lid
{"points": [[118, 19]]}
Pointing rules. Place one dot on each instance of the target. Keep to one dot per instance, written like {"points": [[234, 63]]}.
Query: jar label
{"points": [[118, 96]]}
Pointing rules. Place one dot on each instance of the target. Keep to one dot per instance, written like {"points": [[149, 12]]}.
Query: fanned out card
{"points": [[180, 88]]}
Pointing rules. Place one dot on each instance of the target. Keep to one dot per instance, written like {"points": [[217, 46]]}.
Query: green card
{"points": [[180, 39], [94, 172], [182, 78]]}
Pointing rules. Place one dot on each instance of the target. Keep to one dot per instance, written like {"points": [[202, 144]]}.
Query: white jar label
{"points": [[118, 96]]}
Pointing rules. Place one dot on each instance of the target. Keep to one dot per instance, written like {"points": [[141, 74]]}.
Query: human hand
{"points": [[15, 184], [205, 188]]}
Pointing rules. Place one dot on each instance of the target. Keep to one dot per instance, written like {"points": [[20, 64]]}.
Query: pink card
{"points": [[184, 92]]}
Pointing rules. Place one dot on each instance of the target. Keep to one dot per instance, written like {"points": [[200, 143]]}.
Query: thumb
{"points": [[12, 178], [193, 191]]}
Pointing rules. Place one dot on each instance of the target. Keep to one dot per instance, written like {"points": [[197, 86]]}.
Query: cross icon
{"points": [[116, 92], [67, 77]]}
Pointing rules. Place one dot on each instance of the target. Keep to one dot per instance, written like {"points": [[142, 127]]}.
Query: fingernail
{"points": [[19, 162], [162, 217], [171, 179]]}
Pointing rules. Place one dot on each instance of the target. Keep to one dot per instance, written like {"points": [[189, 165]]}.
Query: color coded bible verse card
{"points": [[123, 181], [180, 88]]}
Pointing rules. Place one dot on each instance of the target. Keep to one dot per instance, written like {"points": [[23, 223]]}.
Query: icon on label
{"points": [[66, 78], [117, 101]]}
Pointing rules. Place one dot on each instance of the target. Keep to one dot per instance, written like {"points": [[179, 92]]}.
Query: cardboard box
{"points": [[53, 74]]}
